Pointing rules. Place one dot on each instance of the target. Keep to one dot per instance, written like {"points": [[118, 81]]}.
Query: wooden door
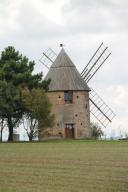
{"points": [[69, 131]]}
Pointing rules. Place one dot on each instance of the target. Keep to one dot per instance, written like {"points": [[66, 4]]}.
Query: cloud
{"points": [[8, 15], [96, 16], [33, 26]]}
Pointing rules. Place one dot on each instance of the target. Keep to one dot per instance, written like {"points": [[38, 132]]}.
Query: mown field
{"points": [[64, 166]]}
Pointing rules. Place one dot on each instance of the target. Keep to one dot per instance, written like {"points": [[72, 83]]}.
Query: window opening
{"points": [[68, 96]]}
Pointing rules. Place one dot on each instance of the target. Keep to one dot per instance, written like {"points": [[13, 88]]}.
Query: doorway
{"points": [[69, 131]]}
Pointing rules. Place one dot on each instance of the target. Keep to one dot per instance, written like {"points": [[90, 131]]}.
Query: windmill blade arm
{"points": [[100, 121], [94, 63], [43, 63], [91, 75], [97, 60], [92, 67], [53, 52], [100, 110], [85, 69], [48, 58]]}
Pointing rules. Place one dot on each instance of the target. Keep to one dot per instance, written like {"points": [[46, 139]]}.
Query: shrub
{"points": [[96, 131]]}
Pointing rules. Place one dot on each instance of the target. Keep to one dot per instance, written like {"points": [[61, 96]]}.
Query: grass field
{"points": [[64, 166]]}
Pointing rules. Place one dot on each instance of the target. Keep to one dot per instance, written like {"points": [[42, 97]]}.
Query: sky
{"points": [[81, 25]]}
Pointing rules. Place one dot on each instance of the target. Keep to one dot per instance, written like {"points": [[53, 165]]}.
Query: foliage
{"points": [[37, 112], [10, 105], [16, 72], [96, 131]]}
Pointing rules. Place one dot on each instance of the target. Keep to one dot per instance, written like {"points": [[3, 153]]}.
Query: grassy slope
{"points": [[64, 166]]}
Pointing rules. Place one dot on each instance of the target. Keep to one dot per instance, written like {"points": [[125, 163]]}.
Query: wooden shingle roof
{"points": [[64, 75]]}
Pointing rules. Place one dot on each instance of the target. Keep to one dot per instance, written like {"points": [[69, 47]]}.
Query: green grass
{"points": [[64, 166]]}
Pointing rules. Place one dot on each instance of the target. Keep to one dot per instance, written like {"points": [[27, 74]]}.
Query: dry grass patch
{"points": [[64, 166]]}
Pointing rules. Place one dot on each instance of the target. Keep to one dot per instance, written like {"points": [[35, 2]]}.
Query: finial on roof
{"points": [[61, 45]]}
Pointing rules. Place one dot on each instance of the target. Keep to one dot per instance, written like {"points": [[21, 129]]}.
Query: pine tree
{"points": [[16, 72]]}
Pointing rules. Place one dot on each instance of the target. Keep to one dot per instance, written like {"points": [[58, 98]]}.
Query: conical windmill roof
{"points": [[64, 75]]}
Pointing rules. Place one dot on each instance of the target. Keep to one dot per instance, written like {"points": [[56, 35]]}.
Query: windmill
{"points": [[98, 108]]}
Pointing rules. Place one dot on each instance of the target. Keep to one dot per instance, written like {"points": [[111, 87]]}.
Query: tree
{"points": [[96, 131], [16, 72], [37, 112], [10, 106]]}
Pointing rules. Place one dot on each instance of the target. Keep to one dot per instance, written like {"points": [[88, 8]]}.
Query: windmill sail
{"points": [[97, 60], [48, 57], [98, 108]]}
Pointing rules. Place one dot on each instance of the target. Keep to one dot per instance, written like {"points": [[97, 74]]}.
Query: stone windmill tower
{"points": [[69, 95]]}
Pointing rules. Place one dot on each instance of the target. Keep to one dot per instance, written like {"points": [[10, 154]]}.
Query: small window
{"points": [[68, 96]]}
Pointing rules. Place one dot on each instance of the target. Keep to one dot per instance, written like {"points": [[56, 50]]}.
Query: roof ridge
{"points": [[63, 60], [64, 75]]}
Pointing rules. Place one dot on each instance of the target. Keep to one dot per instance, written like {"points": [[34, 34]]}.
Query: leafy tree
{"points": [[10, 106], [96, 131], [16, 72], [38, 112]]}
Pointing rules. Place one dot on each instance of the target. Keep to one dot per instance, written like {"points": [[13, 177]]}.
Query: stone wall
{"points": [[82, 114], [76, 113]]}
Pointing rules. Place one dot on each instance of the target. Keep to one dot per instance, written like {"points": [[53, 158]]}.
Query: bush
{"points": [[96, 131]]}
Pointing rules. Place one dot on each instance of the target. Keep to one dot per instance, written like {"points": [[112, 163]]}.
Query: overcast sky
{"points": [[32, 26]]}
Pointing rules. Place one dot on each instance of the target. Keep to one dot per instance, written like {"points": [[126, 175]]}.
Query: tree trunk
{"points": [[30, 138], [1, 135], [10, 127], [1, 131]]}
